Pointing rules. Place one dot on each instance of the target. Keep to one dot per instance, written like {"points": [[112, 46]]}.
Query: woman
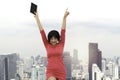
{"points": [[54, 45]]}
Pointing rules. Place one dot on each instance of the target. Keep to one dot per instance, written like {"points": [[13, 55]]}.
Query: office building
{"points": [[94, 57], [38, 72], [96, 73], [75, 61], [8, 66], [67, 62], [104, 65]]}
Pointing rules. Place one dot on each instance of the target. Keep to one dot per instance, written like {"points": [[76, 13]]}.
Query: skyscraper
{"points": [[8, 66], [75, 57], [38, 72], [94, 57], [75, 54], [103, 65], [67, 62], [96, 73]]}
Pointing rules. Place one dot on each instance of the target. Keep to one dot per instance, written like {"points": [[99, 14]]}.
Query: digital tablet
{"points": [[33, 8]]}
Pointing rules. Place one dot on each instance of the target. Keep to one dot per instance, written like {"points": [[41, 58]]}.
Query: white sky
{"points": [[89, 21]]}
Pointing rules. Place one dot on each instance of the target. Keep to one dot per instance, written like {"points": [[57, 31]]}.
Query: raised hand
{"points": [[66, 13]]}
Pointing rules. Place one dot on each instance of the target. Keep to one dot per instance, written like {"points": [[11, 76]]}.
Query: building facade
{"points": [[67, 62], [8, 66], [94, 58]]}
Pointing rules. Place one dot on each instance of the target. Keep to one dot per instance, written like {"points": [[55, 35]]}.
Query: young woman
{"points": [[54, 44]]}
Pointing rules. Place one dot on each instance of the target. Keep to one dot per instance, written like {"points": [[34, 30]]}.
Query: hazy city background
{"points": [[12, 67], [94, 23]]}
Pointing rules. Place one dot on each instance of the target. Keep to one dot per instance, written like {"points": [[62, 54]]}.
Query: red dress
{"points": [[55, 66]]}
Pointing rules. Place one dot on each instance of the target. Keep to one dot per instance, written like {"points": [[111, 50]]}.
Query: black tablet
{"points": [[33, 8]]}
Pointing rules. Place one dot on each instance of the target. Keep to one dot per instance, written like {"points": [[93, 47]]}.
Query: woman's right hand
{"points": [[36, 15]]}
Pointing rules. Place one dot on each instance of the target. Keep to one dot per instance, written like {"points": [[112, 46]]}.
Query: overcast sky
{"points": [[96, 21]]}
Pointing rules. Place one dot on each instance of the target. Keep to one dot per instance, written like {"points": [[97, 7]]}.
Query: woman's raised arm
{"points": [[64, 19], [38, 21]]}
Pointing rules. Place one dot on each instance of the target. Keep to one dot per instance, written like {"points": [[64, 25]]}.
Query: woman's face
{"points": [[54, 41]]}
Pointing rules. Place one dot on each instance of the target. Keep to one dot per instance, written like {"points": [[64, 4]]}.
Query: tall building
{"points": [[99, 60], [119, 72], [38, 72], [41, 72], [112, 70], [34, 73], [43, 60], [94, 57], [118, 62], [75, 54], [20, 69], [96, 73], [103, 65], [67, 62], [8, 66], [28, 62], [75, 60], [116, 72], [109, 71]]}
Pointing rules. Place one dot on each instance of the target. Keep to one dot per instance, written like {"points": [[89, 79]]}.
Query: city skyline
{"points": [[29, 68], [89, 21]]}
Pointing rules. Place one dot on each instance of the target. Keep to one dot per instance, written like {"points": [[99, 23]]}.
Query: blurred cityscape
{"points": [[12, 67]]}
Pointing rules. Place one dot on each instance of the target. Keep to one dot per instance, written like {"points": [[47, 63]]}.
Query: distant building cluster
{"points": [[102, 68], [12, 67]]}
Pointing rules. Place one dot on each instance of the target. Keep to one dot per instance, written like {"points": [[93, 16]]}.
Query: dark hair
{"points": [[55, 34]]}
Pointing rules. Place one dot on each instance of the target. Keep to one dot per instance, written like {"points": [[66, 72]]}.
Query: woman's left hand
{"points": [[66, 13]]}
